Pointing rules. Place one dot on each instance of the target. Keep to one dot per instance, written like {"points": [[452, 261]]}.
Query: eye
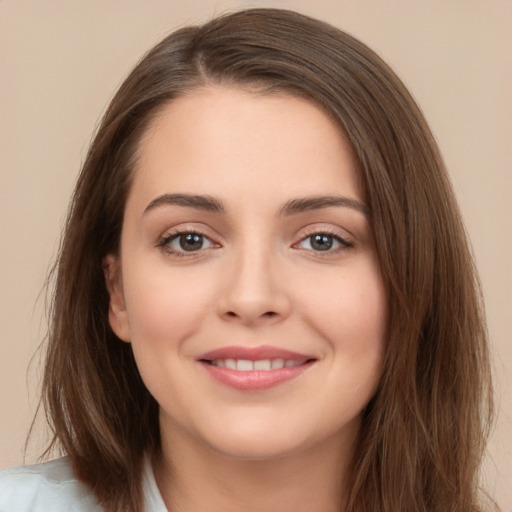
{"points": [[189, 241], [322, 242]]}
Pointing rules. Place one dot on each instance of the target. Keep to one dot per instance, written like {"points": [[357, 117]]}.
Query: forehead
{"points": [[220, 139]]}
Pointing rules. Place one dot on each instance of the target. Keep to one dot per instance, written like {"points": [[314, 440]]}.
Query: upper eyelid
{"points": [[343, 241], [304, 232], [164, 244], [335, 231], [172, 235], [184, 228], [342, 235]]}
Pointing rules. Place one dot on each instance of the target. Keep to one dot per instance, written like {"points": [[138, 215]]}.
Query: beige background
{"points": [[60, 62]]}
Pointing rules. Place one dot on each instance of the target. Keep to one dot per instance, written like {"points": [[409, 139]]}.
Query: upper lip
{"points": [[259, 353]]}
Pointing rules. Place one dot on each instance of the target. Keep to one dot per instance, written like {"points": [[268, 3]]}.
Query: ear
{"points": [[117, 314]]}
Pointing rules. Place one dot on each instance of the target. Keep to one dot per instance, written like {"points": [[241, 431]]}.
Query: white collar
{"points": [[153, 501]]}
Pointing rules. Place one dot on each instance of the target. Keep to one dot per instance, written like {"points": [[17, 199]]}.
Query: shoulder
{"points": [[45, 487]]}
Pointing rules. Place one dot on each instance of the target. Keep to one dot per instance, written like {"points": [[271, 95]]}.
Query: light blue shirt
{"points": [[52, 487]]}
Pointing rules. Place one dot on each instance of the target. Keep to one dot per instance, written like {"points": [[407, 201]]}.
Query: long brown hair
{"points": [[424, 431]]}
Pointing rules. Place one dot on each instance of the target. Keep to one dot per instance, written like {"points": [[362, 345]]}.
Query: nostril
{"points": [[268, 314]]}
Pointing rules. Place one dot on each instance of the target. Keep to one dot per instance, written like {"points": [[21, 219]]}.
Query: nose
{"points": [[254, 290]]}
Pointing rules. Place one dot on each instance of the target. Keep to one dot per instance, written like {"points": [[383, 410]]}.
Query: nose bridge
{"points": [[254, 290]]}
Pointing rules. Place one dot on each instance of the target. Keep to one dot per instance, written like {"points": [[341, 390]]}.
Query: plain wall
{"points": [[61, 61]]}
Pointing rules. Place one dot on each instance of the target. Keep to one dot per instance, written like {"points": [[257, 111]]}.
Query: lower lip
{"points": [[254, 380]]}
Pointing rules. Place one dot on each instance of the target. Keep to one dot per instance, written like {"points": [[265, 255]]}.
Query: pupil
{"points": [[321, 242], [191, 242]]}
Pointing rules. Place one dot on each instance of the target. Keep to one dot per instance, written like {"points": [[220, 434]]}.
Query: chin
{"points": [[254, 439], [251, 449]]}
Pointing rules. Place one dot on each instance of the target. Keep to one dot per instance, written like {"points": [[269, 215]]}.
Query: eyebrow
{"points": [[293, 207], [318, 202], [199, 202]]}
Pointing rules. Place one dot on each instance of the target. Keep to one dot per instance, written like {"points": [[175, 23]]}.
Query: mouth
{"points": [[264, 365], [254, 369]]}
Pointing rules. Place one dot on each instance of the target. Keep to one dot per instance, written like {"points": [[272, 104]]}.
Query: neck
{"points": [[192, 477]]}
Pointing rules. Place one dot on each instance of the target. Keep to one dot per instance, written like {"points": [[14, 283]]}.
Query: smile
{"points": [[265, 365], [254, 368]]}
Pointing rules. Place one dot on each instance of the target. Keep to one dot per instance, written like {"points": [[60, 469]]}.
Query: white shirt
{"points": [[52, 487]]}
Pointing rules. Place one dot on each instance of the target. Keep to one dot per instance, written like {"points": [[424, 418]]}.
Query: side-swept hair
{"points": [[424, 431]]}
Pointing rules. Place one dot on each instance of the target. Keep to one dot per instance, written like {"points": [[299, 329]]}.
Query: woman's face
{"points": [[247, 281]]}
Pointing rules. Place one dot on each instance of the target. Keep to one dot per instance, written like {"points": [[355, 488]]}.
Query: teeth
{"points": [[230, 363], [277, 363], [264, 365], [244, 365]]}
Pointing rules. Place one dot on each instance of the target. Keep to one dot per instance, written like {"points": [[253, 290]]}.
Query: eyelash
{"points": [[164, 243], [344, 243]]}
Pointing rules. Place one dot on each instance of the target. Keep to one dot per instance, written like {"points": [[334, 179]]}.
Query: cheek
{"points": [[350, 312], [164, 305], [165, 309], [350, 303], [360, 316]]}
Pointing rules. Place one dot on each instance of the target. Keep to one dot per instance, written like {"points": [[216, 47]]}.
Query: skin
{"points": [[257, 279]]}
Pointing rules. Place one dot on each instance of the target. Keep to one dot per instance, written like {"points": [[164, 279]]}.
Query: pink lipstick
{"points": [[254, 368]]}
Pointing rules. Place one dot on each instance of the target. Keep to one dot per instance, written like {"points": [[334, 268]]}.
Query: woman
{"points": [[264, 297]]}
